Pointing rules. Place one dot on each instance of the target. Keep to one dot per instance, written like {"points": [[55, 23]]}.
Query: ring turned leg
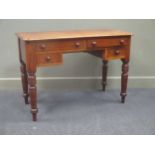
{"points": [[24, 82], [104, 74], [124, 79], [33, 95]]}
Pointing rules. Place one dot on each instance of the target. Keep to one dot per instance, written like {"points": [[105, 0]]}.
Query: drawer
{"points": [[47, 59], [60, 45], [115, 53], [107, 42]]}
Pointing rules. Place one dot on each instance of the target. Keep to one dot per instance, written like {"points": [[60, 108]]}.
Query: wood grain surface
{"points": [[29, 36]]}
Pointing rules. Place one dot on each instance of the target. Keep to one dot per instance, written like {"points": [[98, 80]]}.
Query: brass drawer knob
{"points": [[94, 43], [77, 44], [117, 52], [48, 59], [122, 41], [42, 46]]}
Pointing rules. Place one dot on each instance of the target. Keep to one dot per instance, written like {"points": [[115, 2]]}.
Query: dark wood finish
{"points": [[24, 82], [124, 79], [60, 45], [33, 94], [23, 75], [107, 42], [46, 59], [113, 53], [47, 48], [104, 74]]}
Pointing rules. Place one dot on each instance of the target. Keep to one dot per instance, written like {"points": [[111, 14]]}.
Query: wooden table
{"points": [[41, 49]]}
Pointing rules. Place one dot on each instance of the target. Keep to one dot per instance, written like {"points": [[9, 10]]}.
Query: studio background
{"points": [[70, 101]]}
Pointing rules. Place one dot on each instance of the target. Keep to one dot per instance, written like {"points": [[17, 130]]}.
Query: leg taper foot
{"points": [[33, 95], [123, 96], [34, 114], [124, 79]]}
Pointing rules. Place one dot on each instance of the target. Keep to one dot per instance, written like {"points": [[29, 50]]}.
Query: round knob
{"points": [[43, 46], [77, 44], [122, 41], [117, 52], [48, 58], [94, 43]]}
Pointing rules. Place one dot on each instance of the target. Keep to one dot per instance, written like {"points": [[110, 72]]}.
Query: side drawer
{"points": [[114, 53], [47, 59]]}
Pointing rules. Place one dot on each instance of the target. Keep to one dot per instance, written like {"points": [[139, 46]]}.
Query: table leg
{"points": [[24, 82], [104, 74], [124, 79], [33, 94]]}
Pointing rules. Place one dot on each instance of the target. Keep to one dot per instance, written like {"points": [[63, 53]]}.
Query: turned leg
{"points": [[124, 79], [104, 74], [33, 94], [24, 82]]}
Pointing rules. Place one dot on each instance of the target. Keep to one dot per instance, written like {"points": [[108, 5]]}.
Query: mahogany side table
{"points": [[41, 49]]}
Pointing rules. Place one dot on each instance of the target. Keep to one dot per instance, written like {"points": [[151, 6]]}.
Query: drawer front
{"points": [[47, 59], [63, 45], [107, 42], [115, 53]]}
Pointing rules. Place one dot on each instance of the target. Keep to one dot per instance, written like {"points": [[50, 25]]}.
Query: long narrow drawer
{"points": [[107, 42], [47, 59], [60, 45]]}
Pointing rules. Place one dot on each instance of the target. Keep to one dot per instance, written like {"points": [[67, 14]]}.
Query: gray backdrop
{"points": [[81, 71]]}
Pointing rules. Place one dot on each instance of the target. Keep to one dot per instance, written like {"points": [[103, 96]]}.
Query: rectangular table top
{"points": [[70, 34]]}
